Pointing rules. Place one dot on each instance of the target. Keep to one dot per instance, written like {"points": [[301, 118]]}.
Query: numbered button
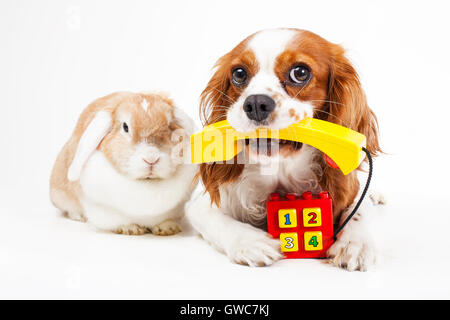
{"points": [[312, 217], [313, 241], [287, 218], [289, 241]]}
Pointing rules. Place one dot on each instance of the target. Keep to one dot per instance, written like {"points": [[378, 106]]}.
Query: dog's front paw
{"points": [[377, 198], [352, 252], [255, 249]]}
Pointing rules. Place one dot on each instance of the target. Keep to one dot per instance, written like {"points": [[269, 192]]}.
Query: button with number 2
{"points": [[312, 217]]}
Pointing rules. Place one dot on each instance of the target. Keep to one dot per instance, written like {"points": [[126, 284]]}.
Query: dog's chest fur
{"points": [[245, 199]]}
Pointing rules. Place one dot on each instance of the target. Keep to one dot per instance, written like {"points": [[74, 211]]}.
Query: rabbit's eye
{"points": [[125, 127]]}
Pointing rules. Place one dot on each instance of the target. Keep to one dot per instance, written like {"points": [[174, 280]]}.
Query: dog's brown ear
{"points": [[347, 102], [214, 175], [213, 106], [213, 99]]}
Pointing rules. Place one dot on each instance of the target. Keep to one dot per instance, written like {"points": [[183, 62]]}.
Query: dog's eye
{"points": [[125, 127], [300, 74], [239, 76]]}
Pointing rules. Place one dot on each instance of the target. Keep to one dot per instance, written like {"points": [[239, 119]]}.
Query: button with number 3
{"points": [[289, 241], [313, 241]]}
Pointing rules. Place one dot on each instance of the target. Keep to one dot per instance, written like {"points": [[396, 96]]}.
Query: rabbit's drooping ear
{"points": [[91, 138]]}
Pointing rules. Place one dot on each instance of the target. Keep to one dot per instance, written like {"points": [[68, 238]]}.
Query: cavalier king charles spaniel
{"points": [[272, 79]]}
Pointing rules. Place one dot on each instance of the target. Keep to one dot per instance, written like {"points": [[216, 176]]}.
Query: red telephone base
{"points": [[303, 224]]}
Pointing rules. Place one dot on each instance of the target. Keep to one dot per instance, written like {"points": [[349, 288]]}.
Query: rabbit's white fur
{"points": [[112, 200]]}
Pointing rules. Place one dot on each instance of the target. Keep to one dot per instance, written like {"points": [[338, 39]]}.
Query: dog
{"points": [[272, 79]]}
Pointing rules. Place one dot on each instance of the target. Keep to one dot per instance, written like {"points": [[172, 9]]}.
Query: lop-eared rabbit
{"points": [[124, 168]]}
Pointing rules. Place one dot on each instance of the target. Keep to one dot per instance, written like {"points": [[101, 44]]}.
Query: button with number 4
{"points": [[289, 241], [313, 241]]}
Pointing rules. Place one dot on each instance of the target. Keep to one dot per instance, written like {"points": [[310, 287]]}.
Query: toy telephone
{"points": [[304, 224], [220, 142]]}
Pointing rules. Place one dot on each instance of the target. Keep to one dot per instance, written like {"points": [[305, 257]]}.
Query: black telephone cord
{"points": [[363, 194]]}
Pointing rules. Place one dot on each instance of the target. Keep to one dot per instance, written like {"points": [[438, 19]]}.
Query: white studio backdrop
{"points": [[58, 56]]}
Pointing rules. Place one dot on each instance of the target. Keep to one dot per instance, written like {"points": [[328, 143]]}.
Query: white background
{"points": [[57, 56]]}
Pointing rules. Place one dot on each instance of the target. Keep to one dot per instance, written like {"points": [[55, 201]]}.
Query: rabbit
{"points": [[124, 168]]}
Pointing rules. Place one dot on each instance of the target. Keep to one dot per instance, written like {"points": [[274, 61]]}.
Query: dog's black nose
{"points": [[258, 106]]}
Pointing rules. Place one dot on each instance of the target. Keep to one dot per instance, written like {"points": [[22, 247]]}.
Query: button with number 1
{"points": [[287, 218]]}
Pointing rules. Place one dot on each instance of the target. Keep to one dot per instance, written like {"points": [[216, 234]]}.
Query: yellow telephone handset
{"points": [[219, 141]]}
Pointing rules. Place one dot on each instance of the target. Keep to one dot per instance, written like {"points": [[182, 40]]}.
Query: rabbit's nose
{"points": [[151, 161]]}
